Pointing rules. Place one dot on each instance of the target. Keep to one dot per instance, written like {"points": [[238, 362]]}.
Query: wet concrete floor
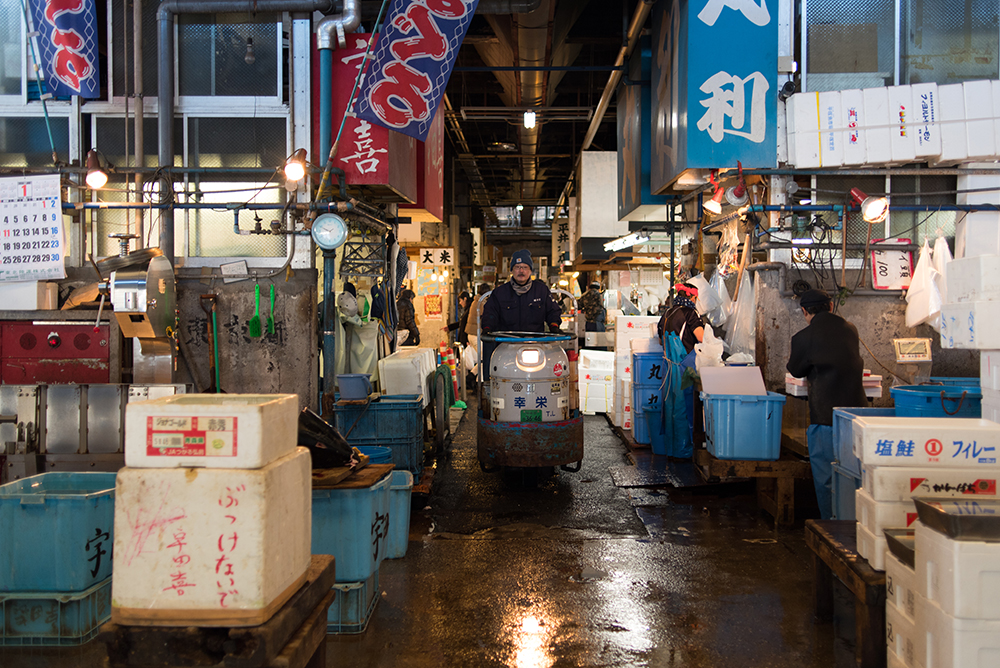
{"points": [[569, 569]]}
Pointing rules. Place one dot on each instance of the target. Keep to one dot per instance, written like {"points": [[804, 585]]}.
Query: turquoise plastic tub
{"points": [[376, 454], [396, 423], [352, 525], [843, 435], [54, 618], [56, 531], [399, 510], [354, 386], [963, 401], [353, 606], [657, 439], [739, 426]]}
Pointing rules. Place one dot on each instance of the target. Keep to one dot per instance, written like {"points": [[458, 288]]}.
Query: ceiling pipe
{"points": [[532, 49], [507, 6], [339, 24], [165, 70]]}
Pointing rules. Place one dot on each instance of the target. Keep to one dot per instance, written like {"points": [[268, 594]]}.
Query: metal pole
{"points": [[329, 322]]}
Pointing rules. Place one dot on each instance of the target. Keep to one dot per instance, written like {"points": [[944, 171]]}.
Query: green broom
{"points": [[254, 325]]}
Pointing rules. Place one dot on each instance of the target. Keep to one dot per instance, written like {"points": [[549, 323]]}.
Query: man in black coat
{"points": [[521, 304], [826, 352]]}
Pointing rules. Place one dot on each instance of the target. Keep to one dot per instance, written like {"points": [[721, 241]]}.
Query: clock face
{"points": [[329, 231]]}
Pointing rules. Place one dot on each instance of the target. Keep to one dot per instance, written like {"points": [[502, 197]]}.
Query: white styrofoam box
{"points": [[934, 442], [952, 642], [901, 633], [623, 366], [893, 661], [900, 586], [926, 131], [978, 233], [598, 375], [628, 327], [852, 111], [996, 112], [972, 279], [597, 339], [596, 396], [970, 325], [831, 123], [796, 390], [961, 576], [991, 411], [877, 125], [902, 116], [901, 483], [871, 547], [802, 130], [979, 183], [222, 431], [29, 296], [194, 546], [597, 360], [951, 100], [407, 371], [979, 118], [645, 345], [876, 516]]}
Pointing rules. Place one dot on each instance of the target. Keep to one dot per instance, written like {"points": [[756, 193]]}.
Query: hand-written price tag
{"points": [[31, 229], [891, 270]]}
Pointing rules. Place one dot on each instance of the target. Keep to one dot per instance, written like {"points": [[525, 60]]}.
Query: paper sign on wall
{"points": [[892, 269]]}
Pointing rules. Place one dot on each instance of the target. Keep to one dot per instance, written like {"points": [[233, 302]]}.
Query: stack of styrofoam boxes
{"points": [[596, 372], [628, 327], [902, 644], [957, 582], [903, 457], [407, 372], [989, 382], [212, 511], [896, 124]]}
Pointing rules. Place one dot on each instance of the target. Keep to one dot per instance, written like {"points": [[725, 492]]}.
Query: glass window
{"points": [[11, 48], [851, 44], [122, 30], [944, 41], [111, 134], [24, 140], [922, 190], [212, 51]]}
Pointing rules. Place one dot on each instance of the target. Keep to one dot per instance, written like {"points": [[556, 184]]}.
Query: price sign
{"points": [[891, 269], [31, 229]]}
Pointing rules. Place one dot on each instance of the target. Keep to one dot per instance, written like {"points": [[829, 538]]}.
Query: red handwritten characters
{"points": [[179, 579], [71, 65], [226, 545]]}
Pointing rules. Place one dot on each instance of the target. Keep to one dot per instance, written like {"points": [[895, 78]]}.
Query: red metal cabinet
{"points": [[51, 352]]}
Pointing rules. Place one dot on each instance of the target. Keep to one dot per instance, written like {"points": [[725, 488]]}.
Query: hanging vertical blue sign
{"points": [[67, 44], [413, 62]]}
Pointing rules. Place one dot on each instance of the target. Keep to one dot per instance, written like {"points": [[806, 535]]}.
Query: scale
{"points": [[916, 353]]}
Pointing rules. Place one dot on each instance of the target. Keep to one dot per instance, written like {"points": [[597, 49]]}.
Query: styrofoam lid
{"points": [[645, 345], [745, 380]]}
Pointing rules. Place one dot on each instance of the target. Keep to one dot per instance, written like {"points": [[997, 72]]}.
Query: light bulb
{"points": [[96, 177], [519, 207], [250, 58], [529, 119], [295, 166]]}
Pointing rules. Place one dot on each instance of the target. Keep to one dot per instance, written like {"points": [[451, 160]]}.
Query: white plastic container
{"points": [[597, 360], [852, 111], [801, 117], [970, 325], [895, 483], [831, 124], [932, 442], [956, 643], [979, 183], [871, 547], [953, 133], [596, 396], [645, 345], [230, 431], [962, 577], [407, 371], [972, 279], [901, 636], [876, 516], [978, 233], [628, 327], [901, 589], [210, 547], [979, 118], [902, 117], [893, 661], [927, 133], [877, 124], [989, 371]]}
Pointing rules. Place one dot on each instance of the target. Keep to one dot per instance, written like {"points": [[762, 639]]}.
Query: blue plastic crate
{"points": [[399, 510], [843, 435], [353, 525], [396, 423], [64, 524], [353, 606], [648, 368], [54, 618], [955, 381], [961, 401], [842, 489], [739, 426]]}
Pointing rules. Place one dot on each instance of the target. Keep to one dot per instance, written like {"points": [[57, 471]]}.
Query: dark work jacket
{"points": [[507, 311], [826, 352]]}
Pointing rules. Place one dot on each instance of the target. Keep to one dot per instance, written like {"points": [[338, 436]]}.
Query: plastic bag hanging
{"points": [[718, 316], [743, 323], [923, 300], [942, 256]]}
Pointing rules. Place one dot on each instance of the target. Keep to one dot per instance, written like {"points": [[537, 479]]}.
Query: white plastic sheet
{"points": [[923, 299], [718, 316], [743, 323], [708, 353]]}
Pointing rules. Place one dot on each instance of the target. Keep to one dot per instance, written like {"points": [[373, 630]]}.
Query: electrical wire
{"points": [[905, 381]]}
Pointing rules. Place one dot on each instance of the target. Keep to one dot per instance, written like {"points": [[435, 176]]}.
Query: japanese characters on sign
{"points": [[972, 452], [179, 436], [891, 270], [560, 241], [713, 105], [67, 42], [228, 541], [31, 230], [413, 63], [431, 257]]}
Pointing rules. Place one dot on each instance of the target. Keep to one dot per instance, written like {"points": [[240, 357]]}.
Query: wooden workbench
{"points": [[775, 480], [295, 637], [835, 554]]}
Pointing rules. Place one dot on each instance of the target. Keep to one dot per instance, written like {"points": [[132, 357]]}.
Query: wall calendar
{"points": [[32, 246]]}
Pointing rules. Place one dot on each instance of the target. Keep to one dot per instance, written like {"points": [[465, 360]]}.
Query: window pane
{"points": [[25, 141], [211, 231], [851, 44], [236, 142], [122, 30], [212, 54], [922, 190], [946, 41], [111, 140], [10, 48]]}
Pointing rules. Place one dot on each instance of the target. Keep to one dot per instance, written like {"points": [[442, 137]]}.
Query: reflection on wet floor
{"points": [[570, 569]]}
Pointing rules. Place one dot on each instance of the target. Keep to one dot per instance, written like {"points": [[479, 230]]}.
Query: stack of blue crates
{"points": [[395, 422], [648, 372], [846, 466], [55, 559]]}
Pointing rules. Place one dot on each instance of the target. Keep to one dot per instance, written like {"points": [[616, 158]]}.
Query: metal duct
{"points": [[165, 70], [507, 6], [339, 24]]}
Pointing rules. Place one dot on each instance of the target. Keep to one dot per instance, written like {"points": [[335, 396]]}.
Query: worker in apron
{"points": [[683, 319]]}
